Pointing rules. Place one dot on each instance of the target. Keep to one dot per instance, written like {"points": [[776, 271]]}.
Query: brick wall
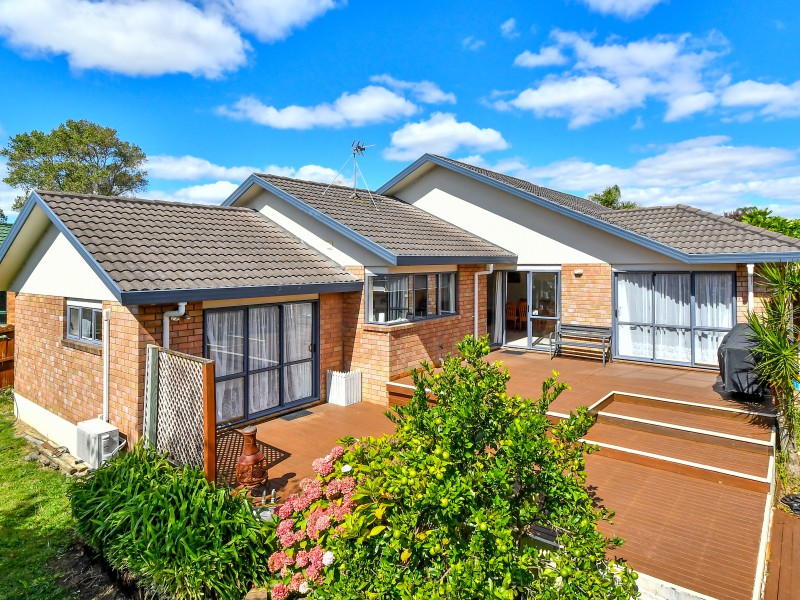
{"points": [[11, 301], [588, 299], [66, 381], [759, 292], [331, 342], [382, 352]]}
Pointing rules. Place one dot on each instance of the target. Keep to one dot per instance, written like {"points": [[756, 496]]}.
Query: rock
{"points": [[32, 456], [44, 460], [257, 594]]}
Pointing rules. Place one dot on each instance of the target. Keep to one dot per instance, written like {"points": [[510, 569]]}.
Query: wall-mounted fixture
{"points": [[578, 272]]}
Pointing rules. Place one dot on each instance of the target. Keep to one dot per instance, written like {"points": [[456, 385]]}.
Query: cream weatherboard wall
{"points": [[55, 268], [538, 236]]}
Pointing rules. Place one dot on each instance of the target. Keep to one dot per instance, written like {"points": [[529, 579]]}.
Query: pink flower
{"points": [[322, 467], [312, 489], [280, 592], [313, 574], [296, 582], [285, 511], [336, 452], [302, 559], [279, 560]]}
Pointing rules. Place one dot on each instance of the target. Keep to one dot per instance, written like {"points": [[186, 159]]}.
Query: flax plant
{"points": [[777, 339]]}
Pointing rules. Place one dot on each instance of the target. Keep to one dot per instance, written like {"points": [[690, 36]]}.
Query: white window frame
{"points": [[95, 310]]}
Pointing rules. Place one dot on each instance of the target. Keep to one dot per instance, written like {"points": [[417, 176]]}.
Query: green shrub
{"points": [[443, 508], [176, 534]]}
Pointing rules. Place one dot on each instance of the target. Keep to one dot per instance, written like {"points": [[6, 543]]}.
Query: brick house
{"points": [[291, 278]]}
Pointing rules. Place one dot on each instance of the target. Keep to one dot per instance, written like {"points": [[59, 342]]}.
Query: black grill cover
{"points": [[736, 365]]}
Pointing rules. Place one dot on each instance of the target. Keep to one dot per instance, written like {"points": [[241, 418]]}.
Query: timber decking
{"points": [[783, 579], [700, 535]]}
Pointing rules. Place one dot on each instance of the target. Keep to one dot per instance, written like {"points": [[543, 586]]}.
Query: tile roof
{"points": [[696, 231], [685, 228], [397, 226], [577, 203], [156, 245]]}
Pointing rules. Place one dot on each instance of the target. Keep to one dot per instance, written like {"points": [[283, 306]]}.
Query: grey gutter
{"points": [[131, 298], [616, 230], [354, 236]]}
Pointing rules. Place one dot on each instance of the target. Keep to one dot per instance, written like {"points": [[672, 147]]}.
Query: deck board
{"points": [[783, 570]]}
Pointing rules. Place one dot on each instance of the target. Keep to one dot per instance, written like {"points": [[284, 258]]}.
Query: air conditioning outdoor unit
{"points": [[97, 442]]}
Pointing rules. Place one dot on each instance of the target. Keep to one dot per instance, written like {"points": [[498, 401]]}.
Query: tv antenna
{"points": [[358, 149]]}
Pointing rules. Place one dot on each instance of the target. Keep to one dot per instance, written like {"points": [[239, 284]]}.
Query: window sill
{"points": [[95, 349], [405, 325]]}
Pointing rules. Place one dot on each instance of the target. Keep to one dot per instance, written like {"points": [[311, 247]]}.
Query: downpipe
{"points": [[476, 300], [106, 359], [170, 314]]}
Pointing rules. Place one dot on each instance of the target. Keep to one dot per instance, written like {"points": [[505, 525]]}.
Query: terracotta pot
{"points": [[251, 468]]}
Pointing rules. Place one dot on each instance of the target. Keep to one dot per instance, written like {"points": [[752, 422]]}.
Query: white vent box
{"points": [[97, 441], [344, 389]]}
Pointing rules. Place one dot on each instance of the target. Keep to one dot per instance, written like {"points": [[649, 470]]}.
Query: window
{"points": [[84, 324], [420, 296], [446, 293], [400, 298], [3, 308], [266, 358], [673, 317]]}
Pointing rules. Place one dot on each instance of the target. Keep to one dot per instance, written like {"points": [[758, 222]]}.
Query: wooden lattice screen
{"points": [[179, 408]]}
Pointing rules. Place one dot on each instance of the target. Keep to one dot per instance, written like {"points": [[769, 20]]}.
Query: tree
{"points": [[763, 217], [611, 197], [77, 156], [450, 504]]}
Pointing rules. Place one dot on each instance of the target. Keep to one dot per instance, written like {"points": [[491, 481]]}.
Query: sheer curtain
{"points": [[499, 314], [713, 308], [672, 296], [225, 345], [635, 306], [264, 353], [397, 287], [298, 332]]}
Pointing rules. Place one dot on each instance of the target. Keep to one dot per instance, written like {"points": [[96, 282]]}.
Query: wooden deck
{"points": [[687, 476], [783, 582]]}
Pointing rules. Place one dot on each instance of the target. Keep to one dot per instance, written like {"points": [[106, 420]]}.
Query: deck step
{"points": [[736, 425], [708, 451], [689, 407]]}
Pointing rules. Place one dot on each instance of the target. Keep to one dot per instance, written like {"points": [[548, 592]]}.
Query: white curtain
{"points": [[499, 312], [672, 297], [713, 300], [225, 345], [264, 352], [713, 308], [635, 304], [397, 288], [298, 332]]}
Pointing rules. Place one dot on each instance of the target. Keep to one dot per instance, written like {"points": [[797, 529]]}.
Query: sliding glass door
{"points": [[532, 308], [676, 318], [265, 358]]}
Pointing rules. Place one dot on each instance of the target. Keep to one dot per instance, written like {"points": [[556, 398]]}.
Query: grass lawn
{"points": [[35, 521]]}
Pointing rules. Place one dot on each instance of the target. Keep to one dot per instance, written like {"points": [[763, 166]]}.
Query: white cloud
{"points": [[472, 44], [684, 106], [442, 134], [772, 99], [206, 193], [625, 9], [7, 193], [151, 37], [192, 168], [546, 57], [508, 29], [707, 172], [147, 37], [271, 20], [372, 104], [608, 79], [426, 92]]}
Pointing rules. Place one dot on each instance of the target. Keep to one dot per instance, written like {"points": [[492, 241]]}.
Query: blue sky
{"points": [[677, 101]]}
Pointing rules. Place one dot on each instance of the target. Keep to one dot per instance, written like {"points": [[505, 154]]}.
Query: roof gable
{"points": [[684, 233], [394, 230], [150, 251]]}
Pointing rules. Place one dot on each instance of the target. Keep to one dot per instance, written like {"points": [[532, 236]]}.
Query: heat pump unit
{"points": [[97, 442]]}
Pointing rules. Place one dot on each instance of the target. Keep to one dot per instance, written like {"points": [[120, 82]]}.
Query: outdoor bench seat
{"points": [[582, 336]]}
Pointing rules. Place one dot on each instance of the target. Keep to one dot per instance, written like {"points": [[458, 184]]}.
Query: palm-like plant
{"points": [[777, 338]]}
